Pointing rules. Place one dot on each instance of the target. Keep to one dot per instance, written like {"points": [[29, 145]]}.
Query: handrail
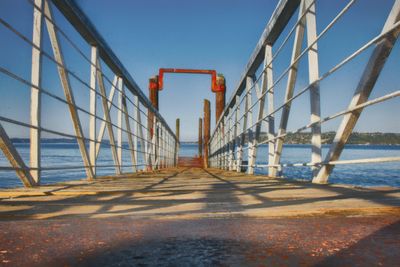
{"points": [[88, 31], [147, 150], [237, 130], [279, 18]]}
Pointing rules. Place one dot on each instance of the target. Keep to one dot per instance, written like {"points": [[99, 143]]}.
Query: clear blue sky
{"points": [[211, 34]]}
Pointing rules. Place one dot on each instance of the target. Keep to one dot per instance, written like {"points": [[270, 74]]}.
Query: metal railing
{"points": [[238, 130], [150, 145]]}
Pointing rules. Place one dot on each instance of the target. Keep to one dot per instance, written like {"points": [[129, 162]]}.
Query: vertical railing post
{"points": [[63, 74], [269, 81], [160, 145], [230, 140], [164, 147], [235, 137], [35, 108], [153, 144], [313, 73], [106, 111], [131, 143], [119, 123], [225, 140], [103, 124], [249, 121], [177, 134], [291, 81], [139, 132], [135, 136], [261, 98], [364, 88], [93, 109], [239, 149]]}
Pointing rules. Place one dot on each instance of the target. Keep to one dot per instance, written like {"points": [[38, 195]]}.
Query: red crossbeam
{"points": [[214, 86]]}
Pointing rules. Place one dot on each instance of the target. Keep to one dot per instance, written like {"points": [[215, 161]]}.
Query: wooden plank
{"points": [[93, 109], [313, 73], [15, 159], [67, 89], [292, 75], [102, 128], [106, 111], [365, 86], [35, 103]]}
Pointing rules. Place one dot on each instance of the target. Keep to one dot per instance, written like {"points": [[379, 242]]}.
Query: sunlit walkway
{"points": [[193, 193], [191, 216]]}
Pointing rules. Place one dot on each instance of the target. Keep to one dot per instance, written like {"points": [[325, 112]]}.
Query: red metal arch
{"points": [[158, 82]]}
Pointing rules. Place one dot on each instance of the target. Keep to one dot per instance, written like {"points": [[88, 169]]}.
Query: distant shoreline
{"points": [[356, 138]]}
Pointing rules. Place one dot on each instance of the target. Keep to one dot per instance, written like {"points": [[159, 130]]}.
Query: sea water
{"points": [[68, 154]]}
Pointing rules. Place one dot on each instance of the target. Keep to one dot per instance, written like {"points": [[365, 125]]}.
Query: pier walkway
{"points": [[155, 208], [194, 216], [194, 193]]}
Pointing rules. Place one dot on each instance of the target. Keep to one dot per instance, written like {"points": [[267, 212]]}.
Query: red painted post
{"points": [[219, 97], [200, 141], [207, 112], [153, 95]]}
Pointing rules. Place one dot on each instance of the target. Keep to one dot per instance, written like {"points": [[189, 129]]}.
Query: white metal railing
{"points": [[151, 144], [238, 129]]}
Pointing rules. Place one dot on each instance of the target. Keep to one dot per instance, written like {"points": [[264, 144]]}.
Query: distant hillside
{"points": [[291, 138], [355, 138]]}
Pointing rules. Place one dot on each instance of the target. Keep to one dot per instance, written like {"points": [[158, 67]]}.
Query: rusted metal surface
{"points": [[220, 98], [200, 139], [219, 104], [193, 162], [215, 85], [207, 124], [320, 241], [153, 95]]}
